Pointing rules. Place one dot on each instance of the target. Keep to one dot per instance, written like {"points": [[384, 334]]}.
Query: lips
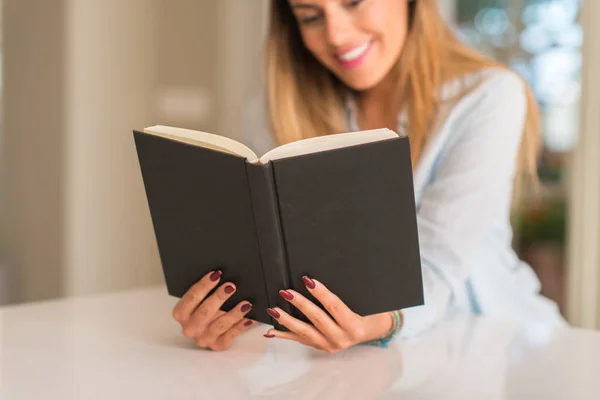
{"points": [[355, 56], [354, 53]]}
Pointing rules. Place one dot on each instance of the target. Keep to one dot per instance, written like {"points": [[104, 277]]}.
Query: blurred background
{"points": [[79, 75], [541, 40]]}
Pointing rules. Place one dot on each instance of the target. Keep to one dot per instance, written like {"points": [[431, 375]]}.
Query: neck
{"points": [[379, 106], [382, 93]]}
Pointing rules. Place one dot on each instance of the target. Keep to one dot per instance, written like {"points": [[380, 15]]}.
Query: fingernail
{"points": [[286, 295], [246, 307], [229, 289], [309, 282], [268, 335], [215, 276], [248, 323], [273, 313]]}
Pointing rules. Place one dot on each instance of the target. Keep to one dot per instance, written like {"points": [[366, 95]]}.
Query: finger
{"points": [[315, 314], [194, 296], [217, 315], [225, 322], [309, 333], [226, 339], [340, 312], [210, 306], [273, 333]]}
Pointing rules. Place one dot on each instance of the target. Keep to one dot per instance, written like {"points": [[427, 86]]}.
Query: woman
{"points": [[341, 65]]}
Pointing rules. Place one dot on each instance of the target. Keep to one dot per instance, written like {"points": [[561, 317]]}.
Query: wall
{"points": [[583, 286], [79, 76], [33, 124], [110, 79], [186, 60]]}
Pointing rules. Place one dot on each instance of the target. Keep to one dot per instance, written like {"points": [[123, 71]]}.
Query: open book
{"points": [[306, 146], [339, 208]]}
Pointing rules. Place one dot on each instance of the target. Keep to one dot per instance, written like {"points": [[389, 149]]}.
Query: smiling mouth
{"points": [[355, 57], [355, 53]]}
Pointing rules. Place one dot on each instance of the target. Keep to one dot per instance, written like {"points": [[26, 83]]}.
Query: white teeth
{"points": [[355, 52]]}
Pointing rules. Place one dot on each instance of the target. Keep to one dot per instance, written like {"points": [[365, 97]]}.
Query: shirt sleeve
{"points": [[472, 184]]}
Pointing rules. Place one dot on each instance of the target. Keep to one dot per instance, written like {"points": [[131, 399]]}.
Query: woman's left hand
{"points": [[344, 330]]}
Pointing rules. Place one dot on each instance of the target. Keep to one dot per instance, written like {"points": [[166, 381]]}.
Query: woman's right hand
{"points": [[201, 318]]}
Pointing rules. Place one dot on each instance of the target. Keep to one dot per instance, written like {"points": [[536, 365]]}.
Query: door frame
{"points": [[583, 224]]}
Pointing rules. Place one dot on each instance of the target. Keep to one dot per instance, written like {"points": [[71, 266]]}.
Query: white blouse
{"points": [[463, 190]]}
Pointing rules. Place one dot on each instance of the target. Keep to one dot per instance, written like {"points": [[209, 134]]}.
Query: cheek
{"points": [[388, 19], [314, 43]]}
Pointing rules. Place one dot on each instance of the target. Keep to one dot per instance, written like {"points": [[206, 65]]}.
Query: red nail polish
{"points": [[309, 282], [273, 313], [215, 276], [248, 323], [229, 289], [268, 335], [246, 307], [286, 295]]}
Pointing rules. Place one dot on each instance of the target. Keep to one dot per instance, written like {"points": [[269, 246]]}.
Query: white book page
{"points": [[327, 142], [203, 139], [300, 147]]}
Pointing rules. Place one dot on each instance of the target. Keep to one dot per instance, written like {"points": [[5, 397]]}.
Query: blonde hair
{"points": [[305, 99]]}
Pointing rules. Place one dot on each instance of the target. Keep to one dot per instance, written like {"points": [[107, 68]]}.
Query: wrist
{"points": [[383, 325], [396, 321], [389, 325]]}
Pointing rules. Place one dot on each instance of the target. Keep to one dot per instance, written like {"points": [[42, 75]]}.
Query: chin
{"points": [[361, 83]]}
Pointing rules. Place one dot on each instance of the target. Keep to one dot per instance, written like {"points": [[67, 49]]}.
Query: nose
{"points": [[338, 25]]}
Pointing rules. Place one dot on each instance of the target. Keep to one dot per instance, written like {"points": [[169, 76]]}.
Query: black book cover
{"points": [[201, 211], [349, 220], [345, 217]]}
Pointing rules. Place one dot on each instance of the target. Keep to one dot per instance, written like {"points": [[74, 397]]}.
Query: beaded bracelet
{"points": [[384, 340]]}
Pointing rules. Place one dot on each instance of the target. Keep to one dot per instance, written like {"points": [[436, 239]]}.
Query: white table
{"points": [[125, 346]]}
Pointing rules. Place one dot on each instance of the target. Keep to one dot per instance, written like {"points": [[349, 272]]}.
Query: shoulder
{"points": [[491, 101], [486, 88], [481, 111], [502, 86]]}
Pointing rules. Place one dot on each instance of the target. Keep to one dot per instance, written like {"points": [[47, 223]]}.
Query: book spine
{"points": [[269, 234]]}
